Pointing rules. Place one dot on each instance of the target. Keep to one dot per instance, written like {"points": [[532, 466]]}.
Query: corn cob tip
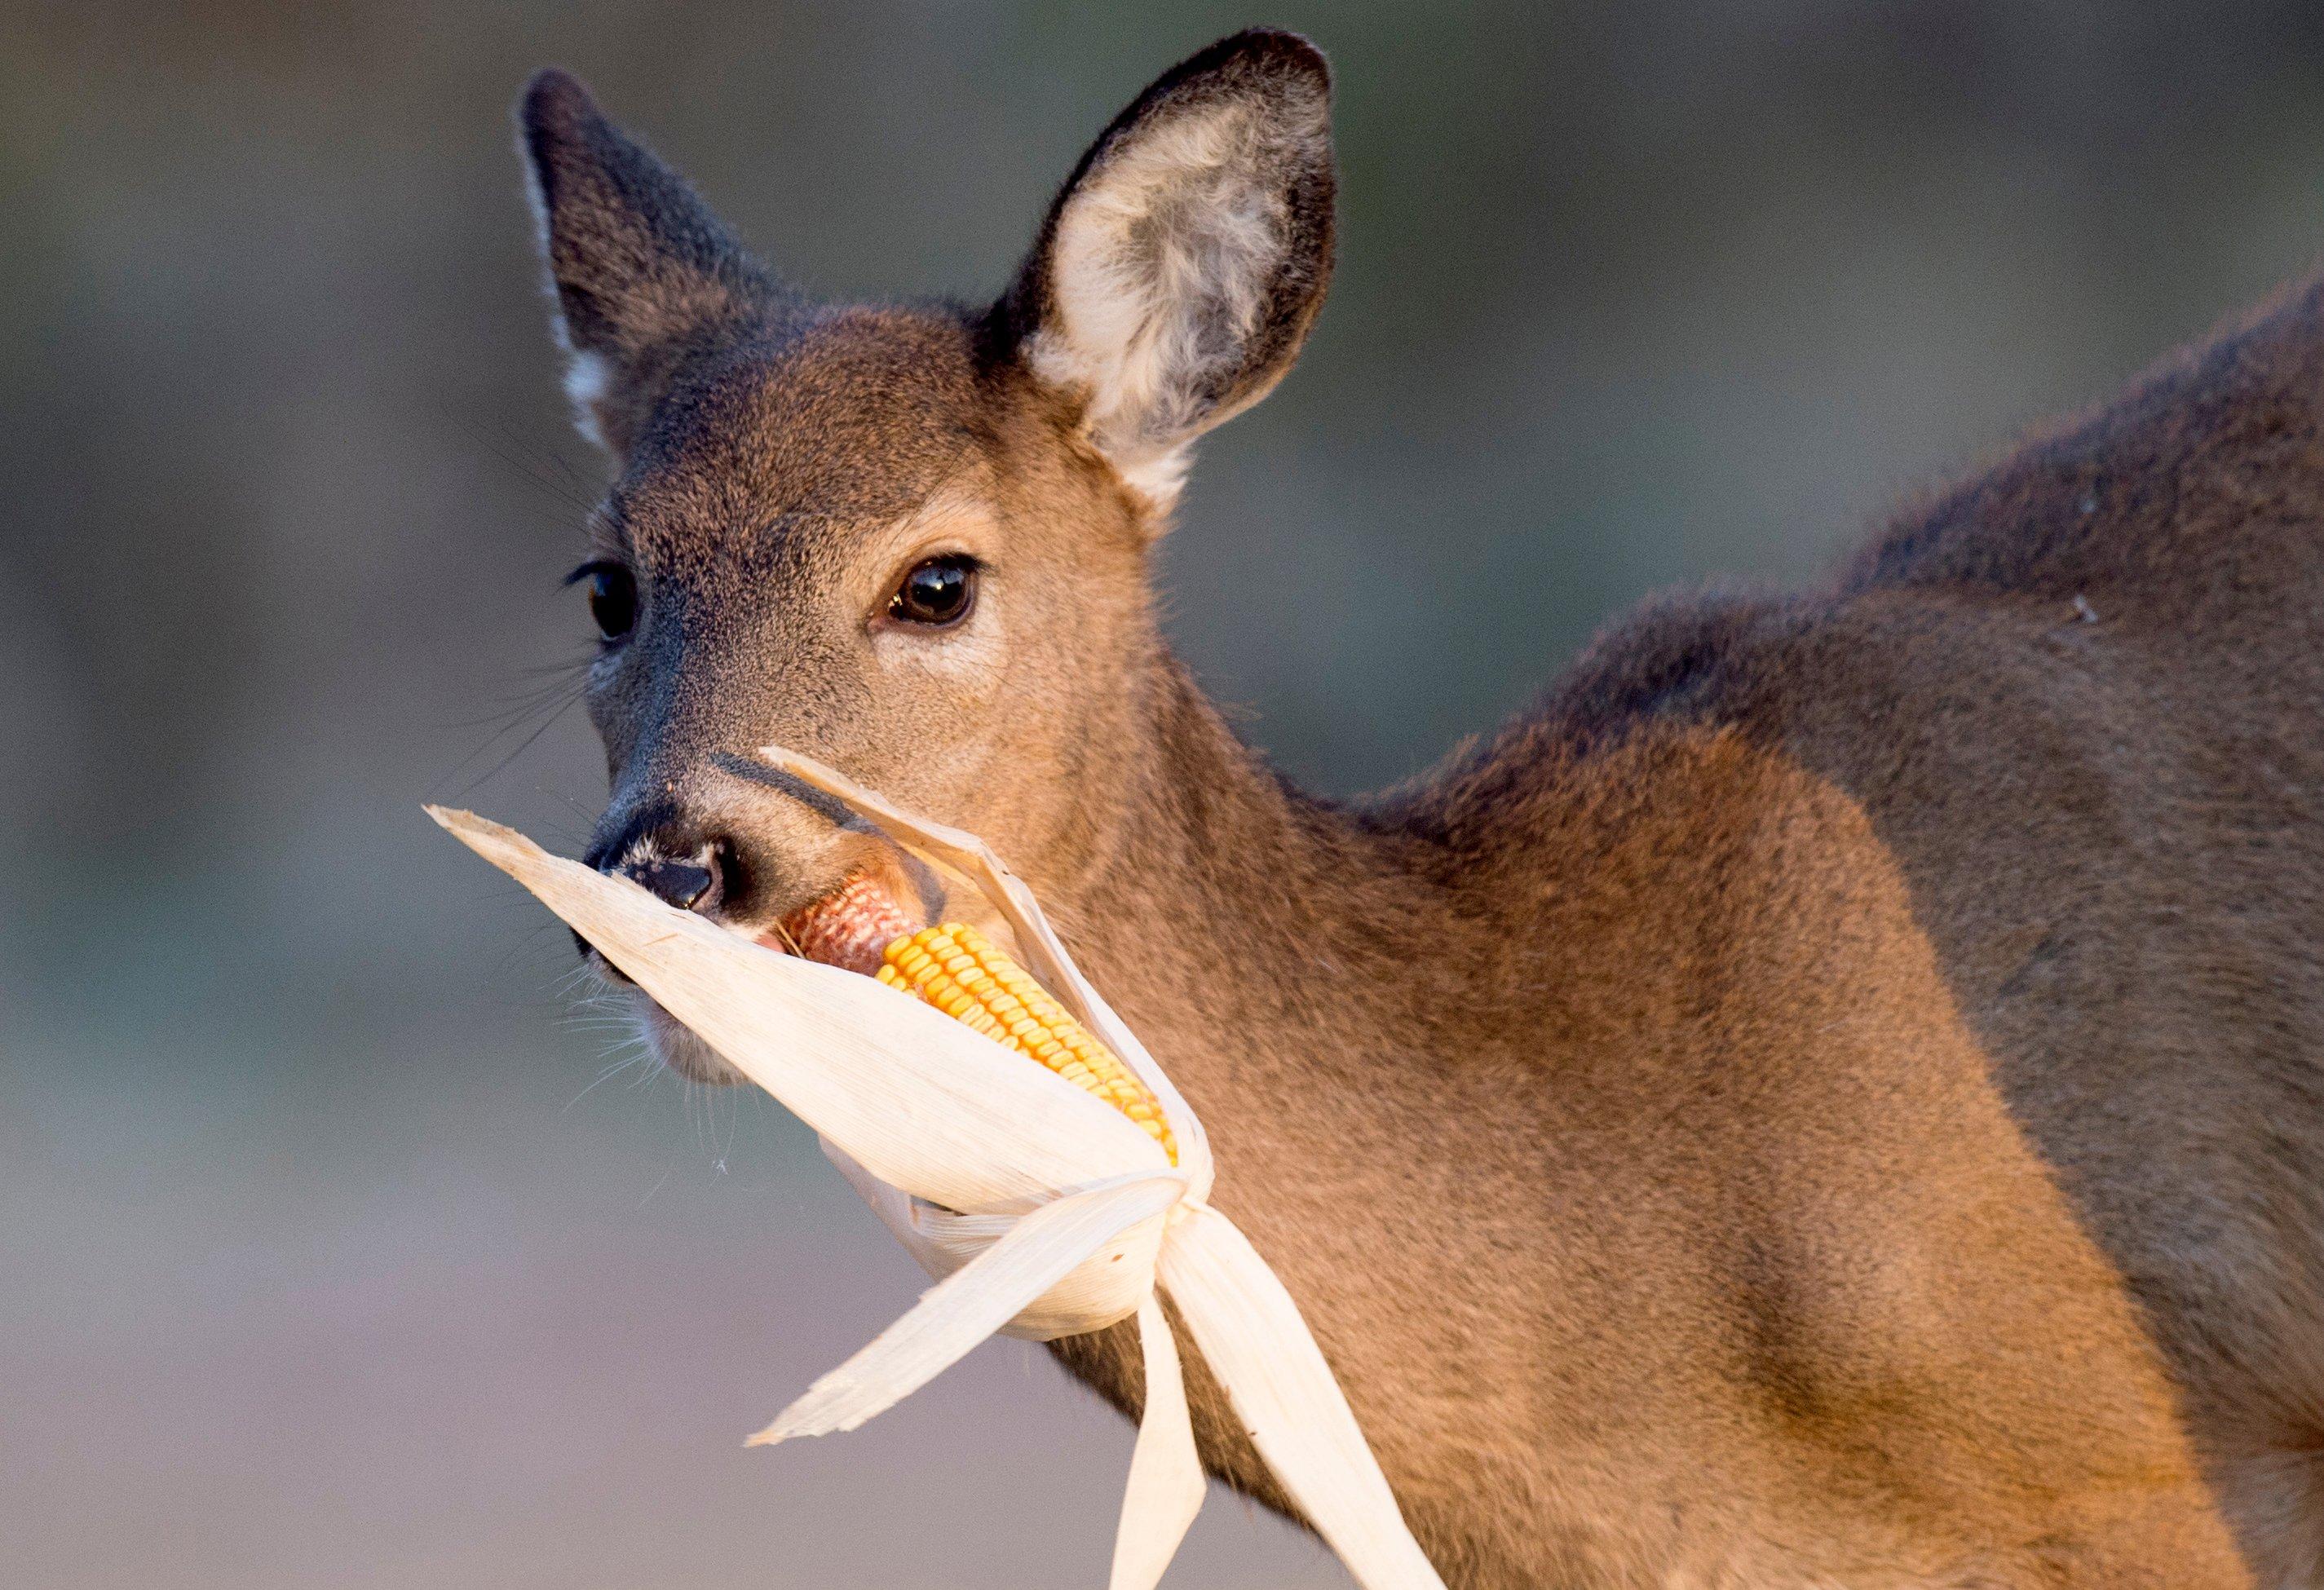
{"points": [[846, 928]]}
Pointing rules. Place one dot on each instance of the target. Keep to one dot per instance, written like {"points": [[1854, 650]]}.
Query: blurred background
{"points": [[339, 1245]]}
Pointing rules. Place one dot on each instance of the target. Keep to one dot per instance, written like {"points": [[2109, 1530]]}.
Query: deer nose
{"points": [[686, 885], [680, 865]]}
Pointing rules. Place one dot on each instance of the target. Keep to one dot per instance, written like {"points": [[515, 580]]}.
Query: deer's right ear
{"points": [[641, 271], [1181, 266]]}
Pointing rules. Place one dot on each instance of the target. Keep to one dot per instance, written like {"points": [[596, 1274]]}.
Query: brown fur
{"points": [[1834, 1096]]}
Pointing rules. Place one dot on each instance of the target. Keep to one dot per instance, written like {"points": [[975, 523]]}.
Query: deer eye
{"points": [[613, 594], [937, 592]]}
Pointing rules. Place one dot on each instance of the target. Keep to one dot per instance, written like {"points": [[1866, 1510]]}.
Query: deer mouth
{"points": [[848, 928]]}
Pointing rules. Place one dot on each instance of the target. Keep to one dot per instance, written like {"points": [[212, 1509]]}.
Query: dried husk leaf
{"points": [[1165, 1477], [974, 1302], [917, 1099], [1106, 1287], [1255, 1341]]}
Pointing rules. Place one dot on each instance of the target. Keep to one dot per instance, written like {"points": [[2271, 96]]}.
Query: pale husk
{"points": [[915, 1097], [1106, 1287], [960, 1311]]}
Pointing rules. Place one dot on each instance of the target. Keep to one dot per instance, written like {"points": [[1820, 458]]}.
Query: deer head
{"points": [[911, 542]]}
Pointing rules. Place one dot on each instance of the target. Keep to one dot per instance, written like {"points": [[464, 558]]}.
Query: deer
{"points": [[1851, 1062]]}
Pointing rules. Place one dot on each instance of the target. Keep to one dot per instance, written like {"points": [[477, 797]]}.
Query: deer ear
{"points": [[641, 271], [1182, 265]]}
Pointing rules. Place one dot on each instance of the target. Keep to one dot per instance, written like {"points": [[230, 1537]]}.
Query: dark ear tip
{"points": [[1286, 47], [555, 104], [1275, 50]]}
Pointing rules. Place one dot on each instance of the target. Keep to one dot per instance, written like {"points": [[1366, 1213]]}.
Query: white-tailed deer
{"points": [[1867, 1047]]}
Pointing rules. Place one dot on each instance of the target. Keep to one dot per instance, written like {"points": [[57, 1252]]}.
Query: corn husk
{"points": [[1040, 1210]]}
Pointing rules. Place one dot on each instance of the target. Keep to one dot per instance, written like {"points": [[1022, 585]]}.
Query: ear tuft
{"points": [[640, 267], [1182, 265]]}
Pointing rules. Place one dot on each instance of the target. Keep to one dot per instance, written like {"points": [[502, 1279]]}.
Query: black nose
{"points": [[686, 885], [676, 862]]}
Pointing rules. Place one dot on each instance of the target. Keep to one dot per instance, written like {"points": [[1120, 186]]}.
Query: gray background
{"points": [[322, 1261]]}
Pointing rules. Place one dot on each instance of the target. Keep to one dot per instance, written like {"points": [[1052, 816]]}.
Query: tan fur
{"points": [[1834, 1096]]}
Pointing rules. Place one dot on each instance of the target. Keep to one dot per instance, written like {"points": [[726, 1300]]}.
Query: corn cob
{"points": [[958, 970], [848, 928]]}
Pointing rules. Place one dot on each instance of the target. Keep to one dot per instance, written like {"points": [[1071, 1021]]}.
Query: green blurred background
{"points": [[323, 1261]]}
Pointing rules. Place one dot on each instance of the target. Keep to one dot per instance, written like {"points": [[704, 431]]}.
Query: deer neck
{"points": [[1258, 940]]}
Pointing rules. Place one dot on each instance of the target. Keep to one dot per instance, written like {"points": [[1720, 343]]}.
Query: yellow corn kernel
{"points": [[958, 970]]}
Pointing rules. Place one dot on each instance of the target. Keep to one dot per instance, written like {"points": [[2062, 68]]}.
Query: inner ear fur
{"points": [[1180, 267]]}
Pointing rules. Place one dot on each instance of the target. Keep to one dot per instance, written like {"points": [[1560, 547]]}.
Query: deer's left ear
{"points": [[1182, 265]]}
